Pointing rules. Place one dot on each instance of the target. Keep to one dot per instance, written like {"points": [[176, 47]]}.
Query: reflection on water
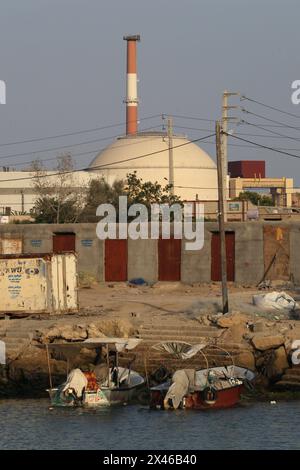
{"points": [[29, 424]]}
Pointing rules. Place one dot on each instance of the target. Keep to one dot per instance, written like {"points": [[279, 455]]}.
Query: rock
{"points": [[234, 334], [280, 363], [230, 319], [262, 342], [258, 327], [94, 332], [66, 332], [245, 359]]}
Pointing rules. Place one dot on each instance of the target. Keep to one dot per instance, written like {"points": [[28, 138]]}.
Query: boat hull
{"points": [[225, 398]]}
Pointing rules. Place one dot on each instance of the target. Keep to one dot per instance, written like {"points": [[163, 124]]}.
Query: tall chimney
{"points": [[131, 93]]}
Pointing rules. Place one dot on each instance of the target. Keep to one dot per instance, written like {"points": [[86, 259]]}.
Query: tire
{"points": [[209, 395]]}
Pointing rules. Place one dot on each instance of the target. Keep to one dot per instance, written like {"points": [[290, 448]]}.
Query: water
{"points": [[29, 424]]}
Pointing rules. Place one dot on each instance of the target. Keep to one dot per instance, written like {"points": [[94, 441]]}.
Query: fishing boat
{"points": [[103, 384], [199, 389]]}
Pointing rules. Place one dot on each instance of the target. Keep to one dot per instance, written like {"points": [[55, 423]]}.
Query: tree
{"points": [[255, 198], [136, 190], [146, 192], [100, 192], [60, 197]]}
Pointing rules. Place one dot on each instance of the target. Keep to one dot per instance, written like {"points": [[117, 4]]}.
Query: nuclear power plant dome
{"points": [[195, 173], [190, 170]]}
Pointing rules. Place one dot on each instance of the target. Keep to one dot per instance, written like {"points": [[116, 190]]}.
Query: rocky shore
{"points": [[259, 342]]}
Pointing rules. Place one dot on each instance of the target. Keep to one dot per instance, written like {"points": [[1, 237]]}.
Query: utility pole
{"points": [[171, 162], [221, 213], [225, 119]]}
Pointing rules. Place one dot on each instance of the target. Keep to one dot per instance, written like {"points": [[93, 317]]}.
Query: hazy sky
{"points": [[63, 62]]}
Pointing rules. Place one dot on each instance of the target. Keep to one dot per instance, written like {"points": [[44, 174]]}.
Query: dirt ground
{"points": [[119, 300]]}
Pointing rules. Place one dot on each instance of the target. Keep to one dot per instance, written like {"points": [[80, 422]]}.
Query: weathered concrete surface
{"points": [[143, 260], [196, 265]]}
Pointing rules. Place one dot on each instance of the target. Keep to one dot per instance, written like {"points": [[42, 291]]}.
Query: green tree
{"points": [[255, 198], [100, 192], [136, 190]]}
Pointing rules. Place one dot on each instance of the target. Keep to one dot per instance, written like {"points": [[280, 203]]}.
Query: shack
{"points": [[38, 283]]}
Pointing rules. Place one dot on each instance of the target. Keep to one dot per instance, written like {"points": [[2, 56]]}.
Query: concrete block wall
{"points": [[143, 254]]}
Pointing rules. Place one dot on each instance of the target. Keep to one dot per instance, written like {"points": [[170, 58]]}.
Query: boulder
{"points": [[235, 334], [280, 363], [245, 359], [66, 332], [277, 364], [262, 342], [94, 332], [230, 319]]}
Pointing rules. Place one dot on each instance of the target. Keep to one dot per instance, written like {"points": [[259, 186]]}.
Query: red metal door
{"points": [[169, 259], [216, 256], [115, 260], [64, 241]]}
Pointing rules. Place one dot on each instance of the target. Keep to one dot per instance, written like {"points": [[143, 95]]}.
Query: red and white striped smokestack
{"points": [[131, 94]]}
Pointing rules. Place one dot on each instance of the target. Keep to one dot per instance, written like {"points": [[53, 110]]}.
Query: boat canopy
{"points": [[179, 349], [116, 344]]}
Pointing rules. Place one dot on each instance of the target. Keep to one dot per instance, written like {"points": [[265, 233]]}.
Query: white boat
{"points": [[116, 386]]}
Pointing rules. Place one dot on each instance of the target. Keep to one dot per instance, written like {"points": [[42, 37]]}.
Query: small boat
{"points": [[102, 385], [211, 387]]}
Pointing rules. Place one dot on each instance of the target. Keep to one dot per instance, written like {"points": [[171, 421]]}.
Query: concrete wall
{"points": [[143, 259], [143, 254]]}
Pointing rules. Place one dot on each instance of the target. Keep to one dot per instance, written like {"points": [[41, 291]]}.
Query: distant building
{"points": [[247, 169]]}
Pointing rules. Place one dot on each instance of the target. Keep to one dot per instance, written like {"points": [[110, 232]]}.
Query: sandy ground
{"points": [[119, 300]]}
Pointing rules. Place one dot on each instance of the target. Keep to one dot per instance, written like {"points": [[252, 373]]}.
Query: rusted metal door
{"points": [[276, 253], [169, 259], [115, 260], [63, 242], [216, 256]]}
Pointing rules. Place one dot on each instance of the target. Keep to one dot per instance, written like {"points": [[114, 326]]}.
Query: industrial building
{"points": [[161, 157], [250, 175]]}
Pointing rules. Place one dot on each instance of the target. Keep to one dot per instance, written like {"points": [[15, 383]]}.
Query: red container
{"points": [[247, 169]]}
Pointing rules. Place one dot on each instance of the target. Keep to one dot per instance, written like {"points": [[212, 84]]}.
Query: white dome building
{"points": [[195, 173]]}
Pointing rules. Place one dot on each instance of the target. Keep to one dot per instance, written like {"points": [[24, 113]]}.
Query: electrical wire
{"points": [[243, 97], [268, 119], [38, 139], [108, 164], [263, 146], [75, 145]]}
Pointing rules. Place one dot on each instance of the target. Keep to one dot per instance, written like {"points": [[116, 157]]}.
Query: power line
{"points": [[75, 145], [38, 139], [108, 164], [74, 154], [192, 118], [284, 136], [264, 146], [243, 97], [268, 119]]}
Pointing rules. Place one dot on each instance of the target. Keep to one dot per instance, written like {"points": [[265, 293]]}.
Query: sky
{"points": [[64, 65]]}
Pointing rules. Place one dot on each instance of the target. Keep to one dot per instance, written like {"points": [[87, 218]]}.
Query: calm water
{"points": [[31, 425]]}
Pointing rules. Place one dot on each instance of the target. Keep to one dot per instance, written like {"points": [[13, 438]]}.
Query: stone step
{"points": [[290, 378], [294, 372], [288, 385], [176, 327], [17, 334]]}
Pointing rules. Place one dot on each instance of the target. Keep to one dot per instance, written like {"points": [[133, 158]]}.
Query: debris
{"points": [[138, 281], [275, 300]]}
